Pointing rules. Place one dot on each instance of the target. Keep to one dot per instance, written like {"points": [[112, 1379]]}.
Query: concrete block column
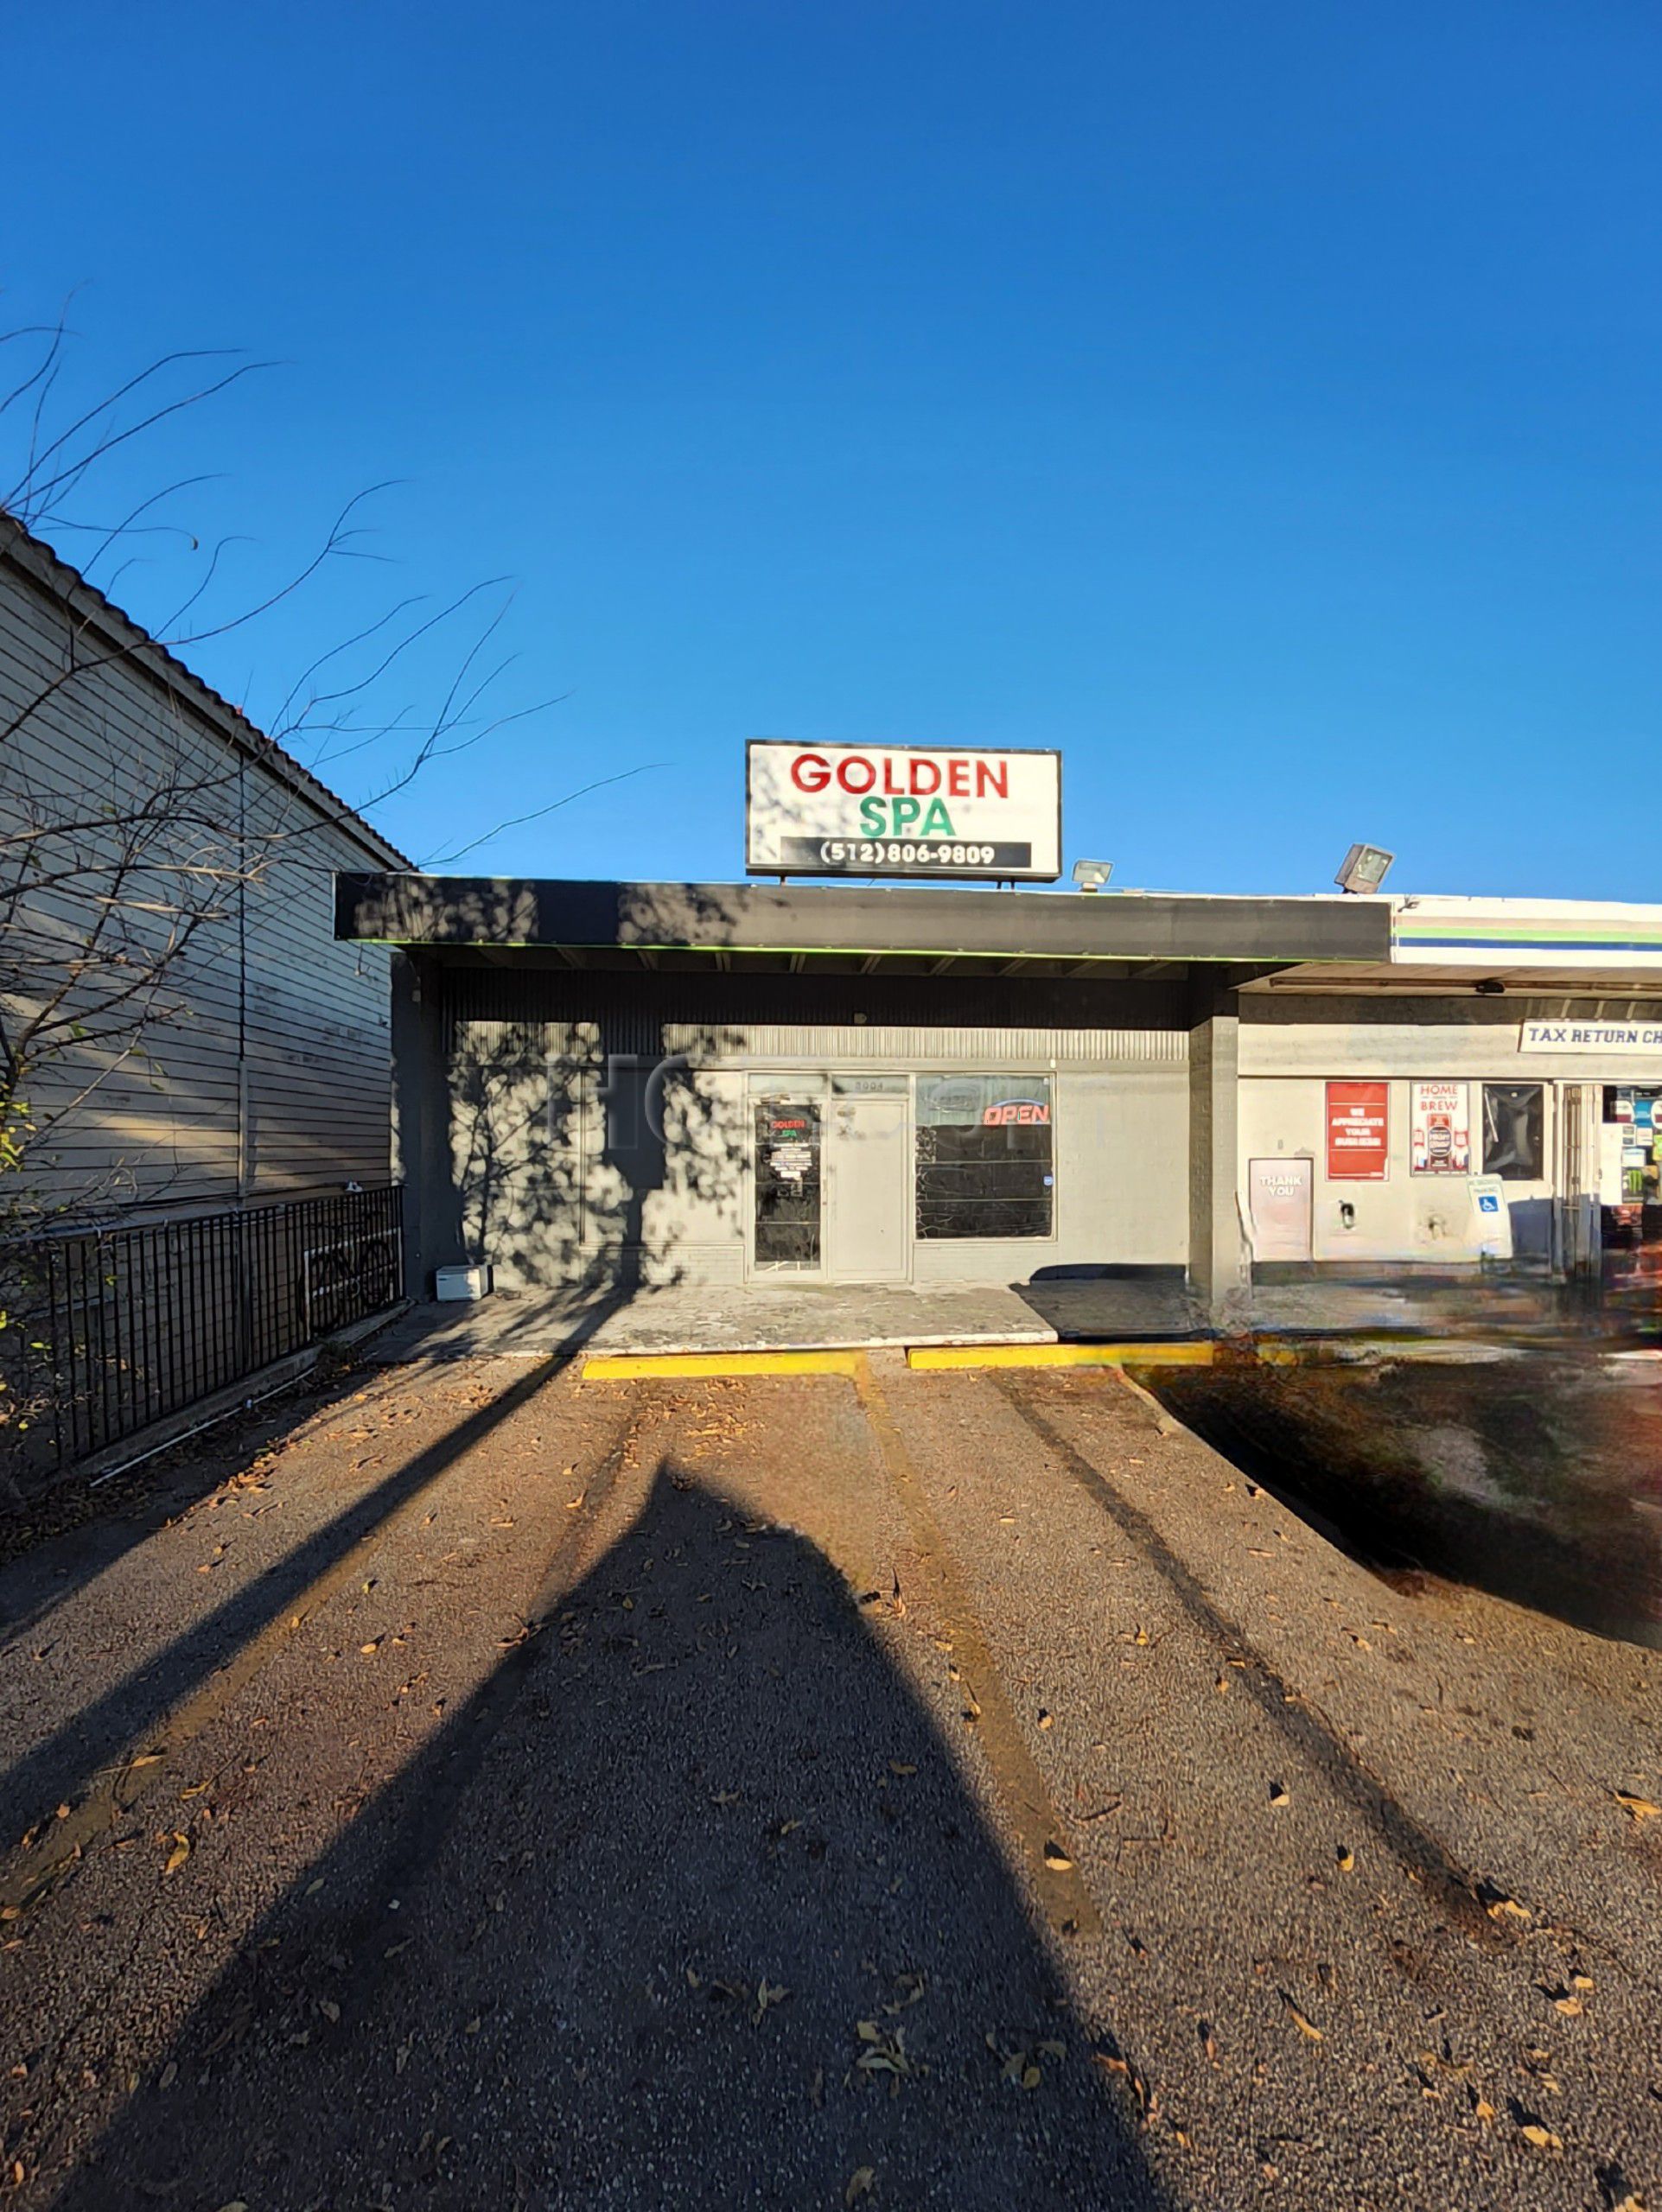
{"points": [[1219, 1268], [421, 1124]]}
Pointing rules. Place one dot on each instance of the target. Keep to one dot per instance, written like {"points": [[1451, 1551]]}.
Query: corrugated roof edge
{"points": [[64, 582]]}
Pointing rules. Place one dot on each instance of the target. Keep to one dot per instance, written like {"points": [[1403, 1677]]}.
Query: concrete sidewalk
{"points": [[738, 1316], [1135, 1307]]}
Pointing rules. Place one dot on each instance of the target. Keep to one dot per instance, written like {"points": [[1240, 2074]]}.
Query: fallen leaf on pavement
{"points": [[1542, 2138], [1057, 1860], [900, 1766], [1500, 1906], [768, 1994], [1133, 2081], [860, 2182], [1641, 1808], [1306, 2027], [884, 2053], [178, 1855], [914, 1985], [1346, 1858]]}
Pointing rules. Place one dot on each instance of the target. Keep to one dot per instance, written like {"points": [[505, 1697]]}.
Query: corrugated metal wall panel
{"points": [[1092, 1048], [858, 1017], [315, 1048], [508, 1043]]}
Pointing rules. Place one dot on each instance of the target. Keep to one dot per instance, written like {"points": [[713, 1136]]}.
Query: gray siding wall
{"points": [[269, 1070], [544, 1157]]}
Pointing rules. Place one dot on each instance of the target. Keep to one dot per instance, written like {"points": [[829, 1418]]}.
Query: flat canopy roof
{"points": [[703, 925]]}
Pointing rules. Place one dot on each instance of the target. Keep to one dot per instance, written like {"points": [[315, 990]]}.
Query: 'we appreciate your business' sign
{"points": [[902, 809]]}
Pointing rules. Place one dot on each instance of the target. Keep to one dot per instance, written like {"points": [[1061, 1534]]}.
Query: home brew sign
{"points": [[902, 809]]}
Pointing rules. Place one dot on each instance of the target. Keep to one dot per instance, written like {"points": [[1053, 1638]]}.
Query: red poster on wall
{"points": [[1358, 1132]]}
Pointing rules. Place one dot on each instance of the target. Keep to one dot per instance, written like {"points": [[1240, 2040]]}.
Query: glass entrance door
{"points": [[788, 1232]]}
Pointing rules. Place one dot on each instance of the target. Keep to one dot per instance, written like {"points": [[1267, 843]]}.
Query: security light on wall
{"points": [[1091, 875], [1364, 869]]}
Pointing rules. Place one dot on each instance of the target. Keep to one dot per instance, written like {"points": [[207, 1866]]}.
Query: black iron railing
{"points": [[111, 1330]]}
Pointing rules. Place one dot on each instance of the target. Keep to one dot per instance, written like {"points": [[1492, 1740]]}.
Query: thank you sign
{"points": [[902, 809]]}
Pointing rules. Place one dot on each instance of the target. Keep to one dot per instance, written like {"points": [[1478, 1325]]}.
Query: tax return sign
{"points": [[902, 809]]}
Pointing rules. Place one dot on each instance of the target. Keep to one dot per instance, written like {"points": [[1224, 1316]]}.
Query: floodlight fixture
{"points": [[1091, 875], [1364, 869]]}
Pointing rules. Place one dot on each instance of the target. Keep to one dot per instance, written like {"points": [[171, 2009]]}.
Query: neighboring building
{"points": [[266, 1069], [208, 1190], [730, 1083]]}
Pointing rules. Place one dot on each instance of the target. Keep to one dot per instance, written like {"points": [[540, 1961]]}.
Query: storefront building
{"points": [[840, 1083]]}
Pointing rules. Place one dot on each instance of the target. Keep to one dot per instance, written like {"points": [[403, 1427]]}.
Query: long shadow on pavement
{"points": [[691, 1905], [64, 1764]]}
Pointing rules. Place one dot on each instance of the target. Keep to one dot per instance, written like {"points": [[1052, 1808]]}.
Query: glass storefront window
{"points": [[1514, 1132], [1638, 1112], [986, 1163]]}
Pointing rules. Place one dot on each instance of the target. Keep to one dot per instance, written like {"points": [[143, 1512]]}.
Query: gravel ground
{"points": [[932, 1790]]}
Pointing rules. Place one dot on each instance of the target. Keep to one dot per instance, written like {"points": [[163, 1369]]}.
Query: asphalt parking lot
{"points": [[476, 1788]]}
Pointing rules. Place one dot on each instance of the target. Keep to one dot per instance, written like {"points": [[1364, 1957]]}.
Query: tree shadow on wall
{"points": [[579, 1159], [688, 1905]]}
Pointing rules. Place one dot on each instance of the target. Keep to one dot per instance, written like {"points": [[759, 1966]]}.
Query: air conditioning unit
{"points": [[461, 1282]]}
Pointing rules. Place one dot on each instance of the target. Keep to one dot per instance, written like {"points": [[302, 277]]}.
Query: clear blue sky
{"points": [[1260, 404]]}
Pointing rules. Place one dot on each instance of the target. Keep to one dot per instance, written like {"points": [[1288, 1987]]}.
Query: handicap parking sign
{"points": [[1493, 1216]]}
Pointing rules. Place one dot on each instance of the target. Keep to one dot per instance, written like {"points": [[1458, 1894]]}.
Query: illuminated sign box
{"points": [[962, 812]]}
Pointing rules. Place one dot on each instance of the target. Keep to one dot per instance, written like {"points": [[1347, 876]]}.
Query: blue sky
{"points": [[1260, 404]]}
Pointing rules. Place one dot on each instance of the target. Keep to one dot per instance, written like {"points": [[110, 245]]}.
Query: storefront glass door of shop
{"points": [[788, 1232]]}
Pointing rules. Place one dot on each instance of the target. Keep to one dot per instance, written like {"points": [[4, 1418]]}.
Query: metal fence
{"points": [[111, 1330]]}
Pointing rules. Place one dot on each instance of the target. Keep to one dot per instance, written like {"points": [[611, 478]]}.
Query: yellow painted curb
{"points": [[680, 1366], [960, 1356]]}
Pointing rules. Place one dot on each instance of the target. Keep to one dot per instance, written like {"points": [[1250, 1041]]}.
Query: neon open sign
{"points": [[1016, 1114]]}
